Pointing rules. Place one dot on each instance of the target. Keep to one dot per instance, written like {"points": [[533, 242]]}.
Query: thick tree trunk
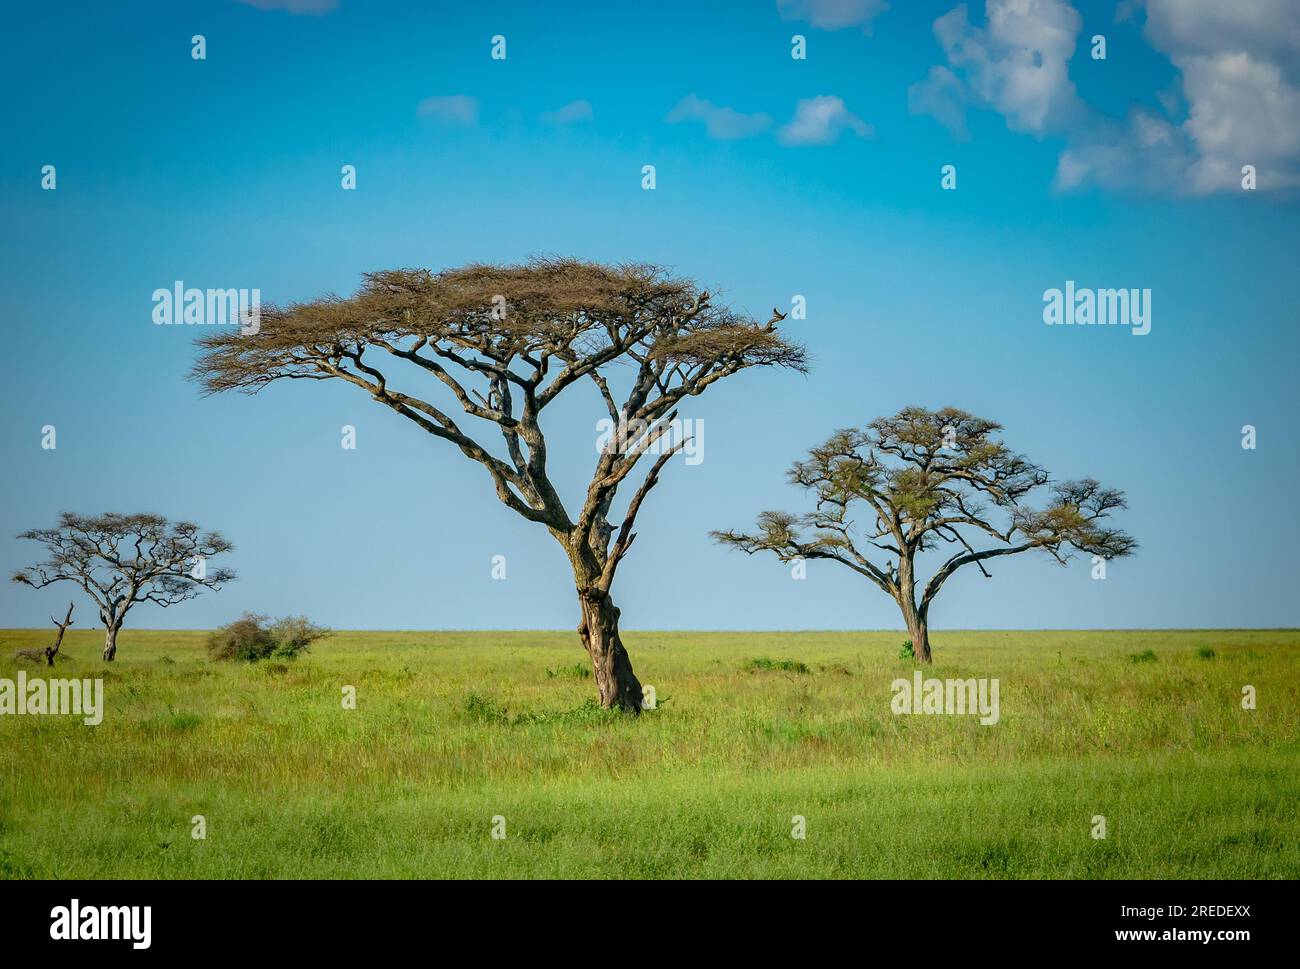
{"points": [[110, 643], [918, 630], [920, 634], [616, 683]]}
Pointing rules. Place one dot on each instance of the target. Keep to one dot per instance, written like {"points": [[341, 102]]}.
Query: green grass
{"points": [[452, 729]]}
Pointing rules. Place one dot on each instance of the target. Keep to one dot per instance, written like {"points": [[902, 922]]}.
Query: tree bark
{"points": [[52, 651], [919, 630], [110, 642], [915, 618], [920, 633], [617, 685]]}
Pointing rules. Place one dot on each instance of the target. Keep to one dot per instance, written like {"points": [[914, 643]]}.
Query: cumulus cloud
{"points": [[719, 122], [832, 14], [1239, 68], [571, 113], [1017, 64], [457, 109], [313, 7], [1238, 76], [821, 121]]}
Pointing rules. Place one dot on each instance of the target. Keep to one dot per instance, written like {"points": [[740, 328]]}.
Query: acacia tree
{"points": [[499, 344], [927, 480], [121, 560]]}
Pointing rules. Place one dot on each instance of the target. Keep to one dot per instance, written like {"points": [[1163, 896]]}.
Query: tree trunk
{"points": [[53, 651], [915, 618], [616, 683], [110, 643], [919, 630]]}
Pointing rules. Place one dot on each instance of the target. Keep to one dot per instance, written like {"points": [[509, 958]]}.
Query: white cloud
{"points": [[832, 14], [820, 121], [1016, 64], [1265, 27], [942, 96], [1145, 153], [1240, 78], [719, 122], [571, 113], [453, 109], [313, 7]]}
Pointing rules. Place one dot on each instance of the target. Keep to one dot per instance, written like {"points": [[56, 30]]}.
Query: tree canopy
{"points": [[501, 344], [506, 341], [122, 560], [931, 480]]}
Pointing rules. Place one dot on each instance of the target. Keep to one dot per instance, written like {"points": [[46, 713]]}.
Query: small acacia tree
{"points": [[928, 480], [500, 344], [121, 560]]}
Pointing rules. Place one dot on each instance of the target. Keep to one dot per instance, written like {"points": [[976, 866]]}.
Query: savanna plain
{"points": [[453, 732]]}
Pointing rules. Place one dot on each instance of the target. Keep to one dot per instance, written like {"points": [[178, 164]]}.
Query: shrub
{"points": [[1146, 656], [1205, 652], [246, 639], [254, 637], [907, 650], [293, 634]]}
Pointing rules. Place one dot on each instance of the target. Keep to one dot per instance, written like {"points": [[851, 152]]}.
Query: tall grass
{"points": [[452, 729]]}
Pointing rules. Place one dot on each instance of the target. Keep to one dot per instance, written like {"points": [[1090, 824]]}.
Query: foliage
{"points": [[253, 637], [931, 480], [122, 560], [293, 634], [505, 342]]}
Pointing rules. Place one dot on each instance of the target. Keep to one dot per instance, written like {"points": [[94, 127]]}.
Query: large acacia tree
{"points": [[497, 345], [925, 480], [123, 560]]}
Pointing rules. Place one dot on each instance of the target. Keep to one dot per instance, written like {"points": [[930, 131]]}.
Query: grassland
{"points": [[452, 729]]}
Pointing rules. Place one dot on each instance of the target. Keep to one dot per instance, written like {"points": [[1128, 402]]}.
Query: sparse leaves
{"points": [[921, 480], [120, 560], [498, 344]]}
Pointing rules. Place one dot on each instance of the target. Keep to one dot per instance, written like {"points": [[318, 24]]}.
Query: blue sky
{"points": [[775, 177]]}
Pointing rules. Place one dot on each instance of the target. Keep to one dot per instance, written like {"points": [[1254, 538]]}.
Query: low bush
{"points": [[254, 637]]}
